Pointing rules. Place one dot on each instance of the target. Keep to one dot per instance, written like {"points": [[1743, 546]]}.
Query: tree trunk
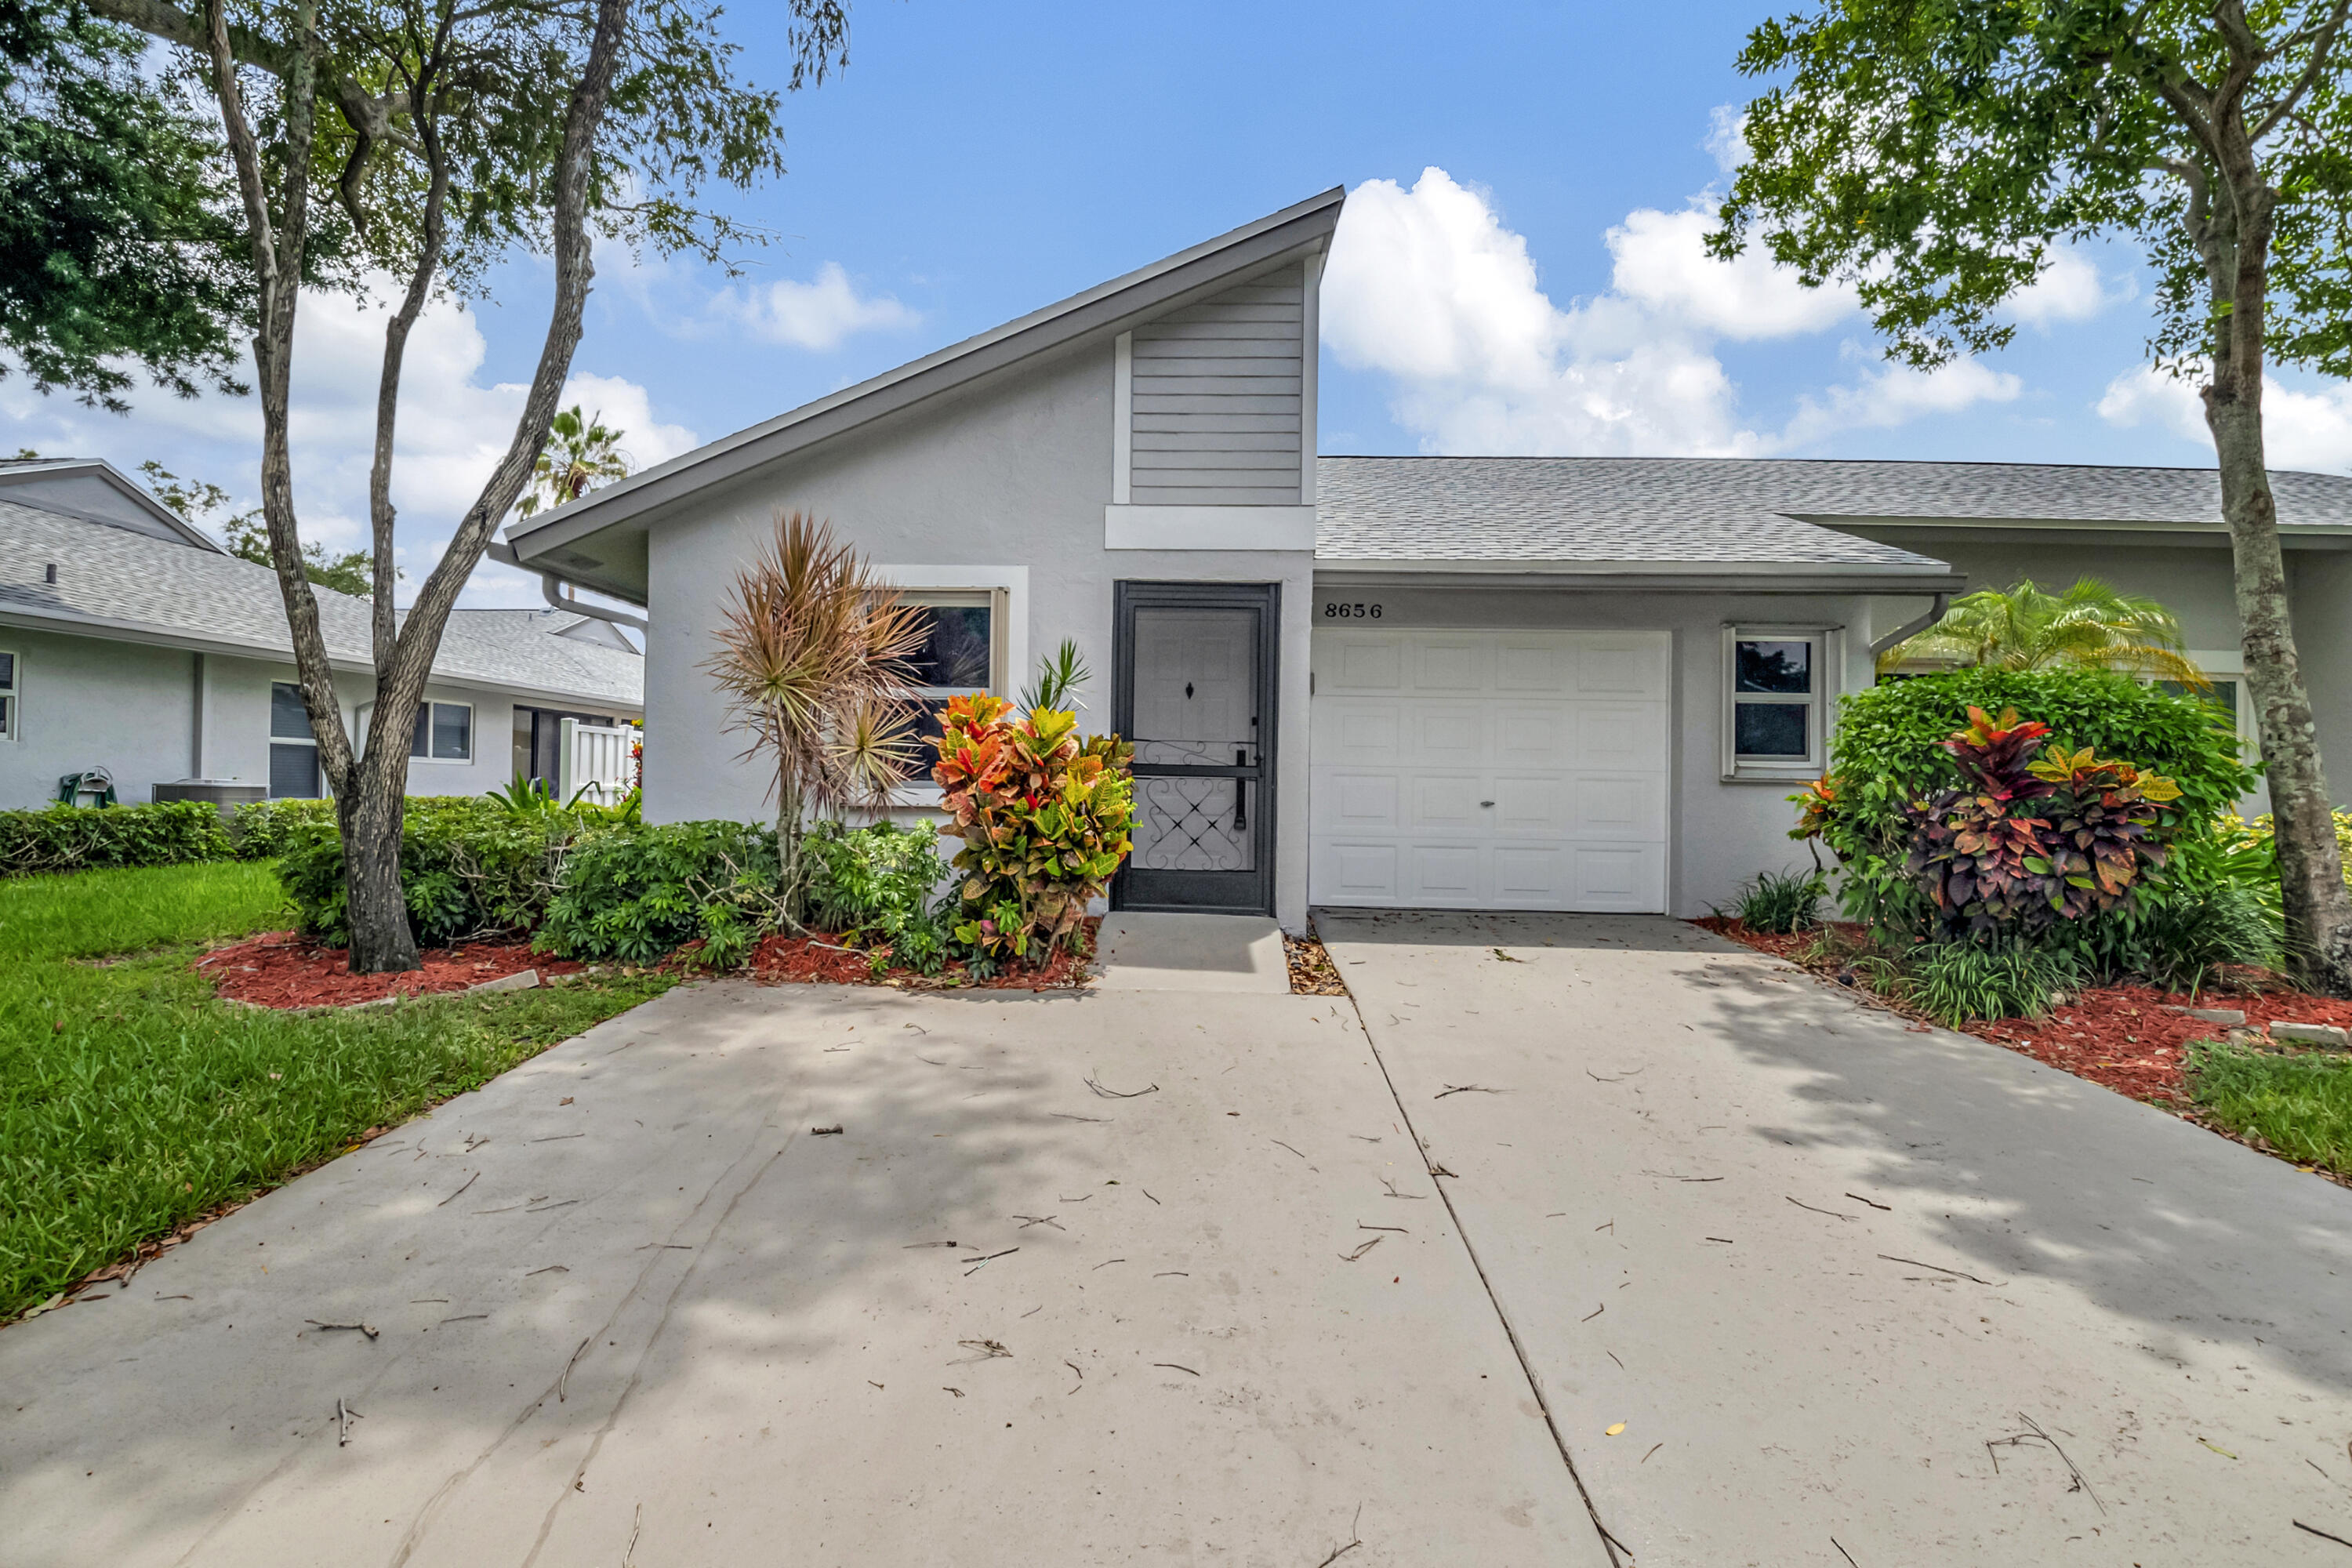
{"points": [[2316, 904], [370, 818]]}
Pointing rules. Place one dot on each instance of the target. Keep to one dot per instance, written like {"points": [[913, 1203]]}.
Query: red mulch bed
{"points": [[820, 958], [280, 968], [2119, 1036]]}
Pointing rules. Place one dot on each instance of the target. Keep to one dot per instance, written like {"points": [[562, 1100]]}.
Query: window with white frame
{"points": [[443, 732], [1777, 683], [11, 674], [2225, 669], [961, 653], [293, 749]]}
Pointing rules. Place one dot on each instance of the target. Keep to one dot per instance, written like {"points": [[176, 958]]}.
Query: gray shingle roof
{"points": [[175, 591], [1738, 510]]}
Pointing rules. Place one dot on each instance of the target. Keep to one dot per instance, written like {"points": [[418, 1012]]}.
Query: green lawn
{"points": [[130, 1100], [2301, 1106]]}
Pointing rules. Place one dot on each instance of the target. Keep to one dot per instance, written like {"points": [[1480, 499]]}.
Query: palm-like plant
{"points": [[580, 454], [815, 656], [2026, 628]]}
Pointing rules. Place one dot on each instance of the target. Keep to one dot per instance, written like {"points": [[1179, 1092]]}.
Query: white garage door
{"points": [[1490, 770]]}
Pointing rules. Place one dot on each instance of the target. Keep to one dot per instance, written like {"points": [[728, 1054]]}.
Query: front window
{"points": [[958, 653], [293, 749], [443, 732], [1777, 683], [8, 719]]}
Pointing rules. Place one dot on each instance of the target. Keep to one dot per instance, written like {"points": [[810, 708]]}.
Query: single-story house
{"points": [[132, 642], [1458, 682]]}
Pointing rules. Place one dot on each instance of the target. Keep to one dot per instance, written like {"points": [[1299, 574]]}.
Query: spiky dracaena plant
{"points": [[815, 656]]}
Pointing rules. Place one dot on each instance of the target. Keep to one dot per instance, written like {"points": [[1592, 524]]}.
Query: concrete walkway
{"points": [[1858, 1291], [628, 1308]]}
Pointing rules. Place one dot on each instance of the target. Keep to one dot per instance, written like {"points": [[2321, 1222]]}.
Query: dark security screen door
{"points": [[1195, 693]]}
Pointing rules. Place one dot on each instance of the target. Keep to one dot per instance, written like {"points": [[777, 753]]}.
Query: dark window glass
{"points": [[1776, 666], [453, 732], [294, 772], [954, 654], [7, 672], [420, 734], [2221, 694], [1769, 729], [287, 718]]}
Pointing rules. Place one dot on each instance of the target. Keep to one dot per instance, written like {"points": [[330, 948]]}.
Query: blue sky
{"points": [[1519, 269]]}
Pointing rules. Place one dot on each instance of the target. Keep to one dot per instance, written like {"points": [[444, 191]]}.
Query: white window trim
{"points": [[275, 740], [363, 716], [1008, 591], [13, 729], [1828, 668], [2229, 664]]}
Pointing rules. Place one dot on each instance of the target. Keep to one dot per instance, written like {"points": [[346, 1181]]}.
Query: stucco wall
{"points": [[1720, 832], [132, 709], [1014, 473]]}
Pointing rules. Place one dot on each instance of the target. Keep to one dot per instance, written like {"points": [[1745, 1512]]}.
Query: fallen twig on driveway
{"points": [[343, 1418], [1172, 1366], [1355, 1534], [2034, 1433], [1832, 1213], [1464, 1088], [1412, 1197], [1116, 1094], [2323, 1536], [469, 1181], [1914, 1263], [1027, 1220], [565, 1375], [989, 1349], [1352, 1257], [367, 1328], [1860, 1199]]}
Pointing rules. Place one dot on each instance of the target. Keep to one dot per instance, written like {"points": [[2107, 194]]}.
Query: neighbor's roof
{"points": [[1743, 511], [115, 582]]}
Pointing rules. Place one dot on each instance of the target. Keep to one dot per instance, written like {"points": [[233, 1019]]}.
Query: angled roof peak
{"points": [[1301, 229]]}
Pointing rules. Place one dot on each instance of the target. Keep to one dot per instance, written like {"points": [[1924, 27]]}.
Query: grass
{"points": [[2299, 1105], [132, 1101]]}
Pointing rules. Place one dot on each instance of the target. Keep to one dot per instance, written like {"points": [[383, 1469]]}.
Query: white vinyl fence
{"points": [[595, 758]]}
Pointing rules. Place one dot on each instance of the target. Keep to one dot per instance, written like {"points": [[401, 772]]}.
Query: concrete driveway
{"points": [[1850, 1292], [630, 1309], [1861, 1291]]}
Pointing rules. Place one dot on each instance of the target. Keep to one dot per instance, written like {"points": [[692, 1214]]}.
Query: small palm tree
{"points": [[814, 659], [2026, 628], [580, 454]]}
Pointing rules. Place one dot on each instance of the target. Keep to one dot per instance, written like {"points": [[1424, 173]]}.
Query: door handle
{"points": [[1241, 791]]}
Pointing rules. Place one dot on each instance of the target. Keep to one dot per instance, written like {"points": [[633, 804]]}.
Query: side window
{"points": [[959, 654], [9, 718], [293, 750], [443, 732], [1776, 682]]}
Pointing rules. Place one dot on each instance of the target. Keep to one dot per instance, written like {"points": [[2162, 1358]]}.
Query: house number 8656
{"points": [[1335, 611]]}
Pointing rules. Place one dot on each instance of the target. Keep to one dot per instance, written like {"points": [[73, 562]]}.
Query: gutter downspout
{"points": [[1901, 634], [551, 586]]}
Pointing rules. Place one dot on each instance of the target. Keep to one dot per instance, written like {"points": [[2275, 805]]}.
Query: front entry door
{"points": [[1195, 692]]}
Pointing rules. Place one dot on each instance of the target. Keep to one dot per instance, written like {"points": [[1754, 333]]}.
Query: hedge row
{"points": [[69, 838]]}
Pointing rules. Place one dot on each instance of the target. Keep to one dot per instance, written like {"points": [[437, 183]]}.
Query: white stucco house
{"points": [[133, 643], [1456, 682]]}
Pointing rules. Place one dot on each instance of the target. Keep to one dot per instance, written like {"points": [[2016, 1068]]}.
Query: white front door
{"points": [[1490, 770]]}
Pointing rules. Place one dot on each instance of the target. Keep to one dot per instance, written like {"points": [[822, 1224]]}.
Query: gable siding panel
{"points": [[1218, 396]]}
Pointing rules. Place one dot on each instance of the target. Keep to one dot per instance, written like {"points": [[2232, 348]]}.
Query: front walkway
{"points": [[628, 1308], [1842, 1280]]}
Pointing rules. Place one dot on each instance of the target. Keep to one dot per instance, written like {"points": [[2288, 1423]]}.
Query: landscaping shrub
{"points": [[637, 893], [2259, 832], [1044, 819], [261, 829], [468, 869], [2026, 844], [77, 838], [1779, 902], [1887, 753], [879, 885], [1954, 981]]}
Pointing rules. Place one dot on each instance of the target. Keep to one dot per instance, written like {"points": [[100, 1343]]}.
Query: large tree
{"points": [[420, 143], [1935, 154]]}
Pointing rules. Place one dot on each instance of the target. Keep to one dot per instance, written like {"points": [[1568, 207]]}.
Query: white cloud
{"points": [[818, 316], [2302, 426], [1726, 137], [452, 429], [2070, 288], [1429, 287], [1662, 262]]}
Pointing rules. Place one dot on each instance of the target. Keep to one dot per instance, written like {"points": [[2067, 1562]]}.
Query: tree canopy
{"points": [[1933, 155]]}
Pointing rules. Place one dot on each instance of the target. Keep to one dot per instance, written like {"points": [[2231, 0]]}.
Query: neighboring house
{"points": [[1509, 683], [130, 641]]}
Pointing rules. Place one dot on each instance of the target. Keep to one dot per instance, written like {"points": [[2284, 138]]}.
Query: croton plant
{"points": [[1045, 817], [2034, 836]]}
